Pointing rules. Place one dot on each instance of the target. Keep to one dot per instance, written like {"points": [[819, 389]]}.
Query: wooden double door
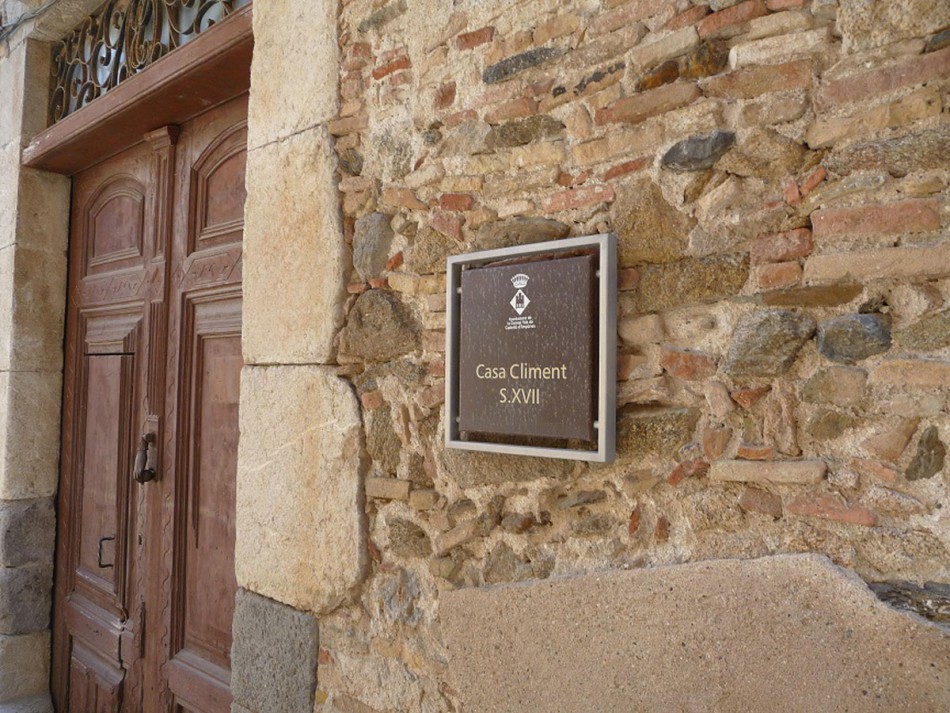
{"points": [[145, 579]]}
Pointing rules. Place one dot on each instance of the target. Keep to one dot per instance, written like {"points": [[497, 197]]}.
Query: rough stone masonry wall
{"points": [[776, 173]]}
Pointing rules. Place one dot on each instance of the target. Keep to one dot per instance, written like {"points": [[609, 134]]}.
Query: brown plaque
{"points": [[527, 334]]}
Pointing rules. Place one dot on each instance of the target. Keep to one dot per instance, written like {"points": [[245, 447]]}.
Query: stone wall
{"points": [[775, 172]]}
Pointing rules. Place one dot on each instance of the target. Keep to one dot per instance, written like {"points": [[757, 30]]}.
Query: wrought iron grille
{"points": [[120, 39]]}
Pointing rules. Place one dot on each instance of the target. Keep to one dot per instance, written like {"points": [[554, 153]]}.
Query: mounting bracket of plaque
{"points": [[531, 350]]}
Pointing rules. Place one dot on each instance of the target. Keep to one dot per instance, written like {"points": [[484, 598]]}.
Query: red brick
{"points": [[449, 224], [372, 400], [910, 216], [578, 198], [383, 70], [402, 198], [687, 364], [748, 451], [437, 368], [761, 501], [445, 95], [433, 395], [747, 398], [688, 17], [715, 441], [816, 177], [433, 340], [662, 531], [361, 49], [538, 89], [624, 16], [634, 524], [395, 261], [749, 83], [516, 109], [734, 15], [886, 79], [832, 507], [324, 658], [470, 40], [458, 117], [356, 288], [779, 247], [638, 107], [791, 193], [379, 283], [777, 275], [687, 469], [456, 201], [349, 125], [638, 164], [874, 469], [627, 279]]}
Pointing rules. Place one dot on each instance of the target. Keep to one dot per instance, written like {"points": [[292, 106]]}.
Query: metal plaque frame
{"points": [[606, 419]]}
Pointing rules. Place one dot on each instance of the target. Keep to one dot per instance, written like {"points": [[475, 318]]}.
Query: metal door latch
{"points": [[141, 471]]}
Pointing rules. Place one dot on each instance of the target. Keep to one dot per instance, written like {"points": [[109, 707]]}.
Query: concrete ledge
{"points": [[784, 633]]}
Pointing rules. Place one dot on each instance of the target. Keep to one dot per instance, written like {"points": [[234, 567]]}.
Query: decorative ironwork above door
{"points": [[119, 40]]}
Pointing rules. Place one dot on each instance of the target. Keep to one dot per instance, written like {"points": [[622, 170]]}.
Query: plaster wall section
{"points": [[776, 173]]}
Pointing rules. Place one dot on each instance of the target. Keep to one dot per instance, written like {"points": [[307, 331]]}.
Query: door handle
{"points": [[140, 471], [103, 565]]}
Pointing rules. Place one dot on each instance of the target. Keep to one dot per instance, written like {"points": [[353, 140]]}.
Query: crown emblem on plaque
{"points": [[519, 280]]}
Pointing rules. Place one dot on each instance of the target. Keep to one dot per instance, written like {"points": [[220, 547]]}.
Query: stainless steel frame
{"points": [[606, 423]]}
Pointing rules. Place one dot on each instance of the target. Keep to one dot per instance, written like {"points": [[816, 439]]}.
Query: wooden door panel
{"points": [[95, 686]]}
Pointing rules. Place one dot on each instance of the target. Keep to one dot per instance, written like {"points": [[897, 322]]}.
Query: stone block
{"points": [[775, 50], [295, 259], [24, 667], [280, 106], [766, 342], [12, 69], [691, 281], [273, 655], [655, 431], [29, 434], [300, 530], [27, 532], [25, 598], [799, 472], [41, 703], [883, 263], [33, 305], [756, 631], [864, 24], [919, 373], [837, 385], [853, 337]]}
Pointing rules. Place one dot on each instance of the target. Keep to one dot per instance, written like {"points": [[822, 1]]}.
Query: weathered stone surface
{"points": [[931, 601], [853, 337], [471, 469], [519, 231], [285, 100], [929, 333], [916, 151], [27, 532], [659, 432], [930, 456], [698, 153], [864, 24], [503, 565], [26, 594], [379, 328], [691, 281], [837, 385], [509, 67], [296, 245], [802, 606], [522, 131], [382, 443], [388, 488], [24, 666], [41, 703], [800, 472], [273, 655], [827, 424], [29, 433], [648, 228], [765, 154], [300, 531], [383, 16], [372, 239], [813, 296], [429, 250], [890, 444], [766, 342], [406, 539]]}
